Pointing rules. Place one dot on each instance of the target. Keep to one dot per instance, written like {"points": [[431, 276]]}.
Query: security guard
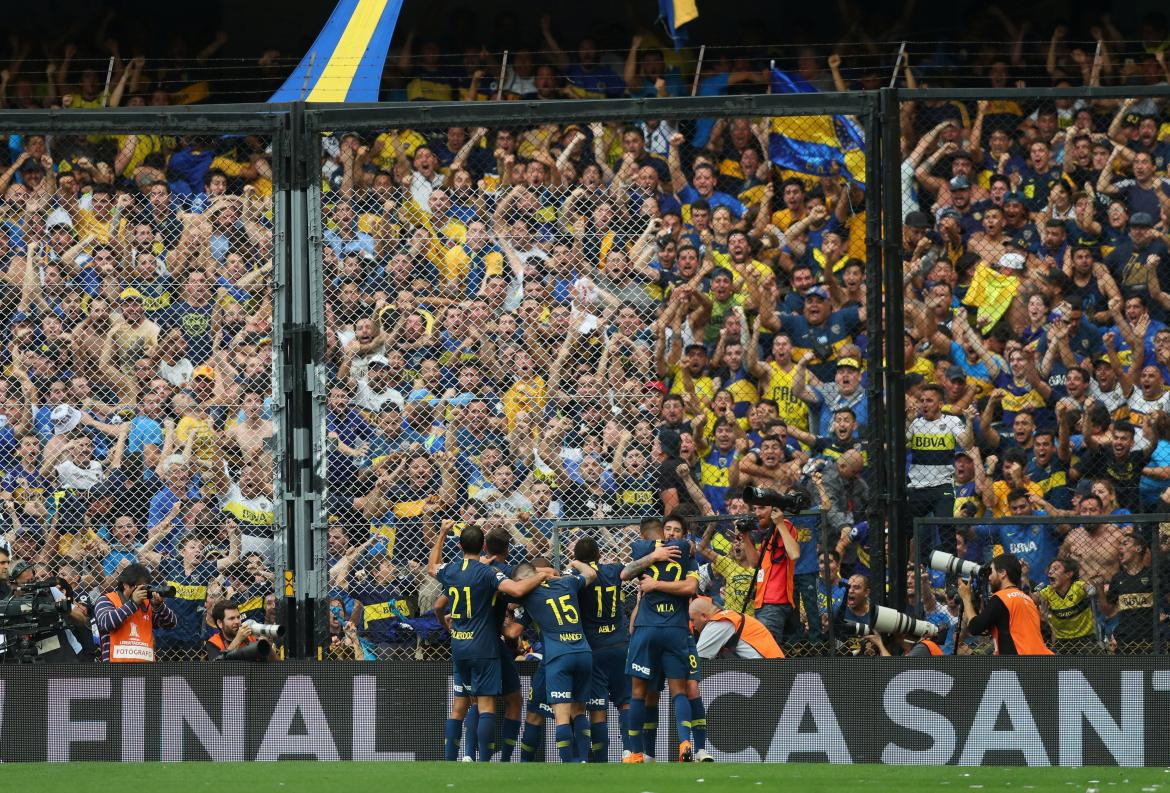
{"points": [[1010, 616]]}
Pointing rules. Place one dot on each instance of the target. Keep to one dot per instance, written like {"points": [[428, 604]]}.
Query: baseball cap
{"points": [[1085, 487], [655, 385], [955, 372], [1011, 261], [58, 217], [817, 291], [851, 362], [1141, 219], [65, 418], [378, 360], [130, 293], [203, 371], [917, 220], [1013, 197], [960, 182], [947, 212]]}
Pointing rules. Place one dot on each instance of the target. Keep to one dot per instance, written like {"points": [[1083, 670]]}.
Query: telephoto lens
{"points": [[952, 565], [260, 629], [167, 591], [889, 621], [851, 628]]}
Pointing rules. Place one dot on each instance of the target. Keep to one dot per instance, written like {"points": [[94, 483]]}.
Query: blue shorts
{"points": [[537, 695], [656, 650], [610, 682], [457, 687], [480, 677], [509, 673], [568, 677], [658, 681]]}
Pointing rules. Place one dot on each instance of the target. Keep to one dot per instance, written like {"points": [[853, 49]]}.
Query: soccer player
{"points": [[472, 588], [568, 662], [496, 546], [601, 612], [669, 578], [673, 530]]}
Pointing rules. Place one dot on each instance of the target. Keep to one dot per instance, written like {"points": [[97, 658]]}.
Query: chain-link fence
{"points": [[1100, 582], [1033, 253], [561, 327], [137, 428]]}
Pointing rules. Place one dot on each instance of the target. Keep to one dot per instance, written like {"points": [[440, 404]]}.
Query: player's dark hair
{"points": [[496, 542], [586, 550], [679, 518], [471, 540], [1009, 565], [541, 561]]}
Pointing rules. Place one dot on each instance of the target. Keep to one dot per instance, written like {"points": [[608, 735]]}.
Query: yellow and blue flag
{"points": [[818, 145], [345, 62], [677, 13]]}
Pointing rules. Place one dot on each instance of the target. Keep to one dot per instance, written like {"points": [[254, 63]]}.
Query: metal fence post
{"points": [[877, 464], [894, 490]]}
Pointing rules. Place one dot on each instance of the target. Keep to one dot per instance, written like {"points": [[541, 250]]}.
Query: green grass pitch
{"points": [[285, 777]]}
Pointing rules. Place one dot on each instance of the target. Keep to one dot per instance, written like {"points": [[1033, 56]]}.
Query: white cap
{"points": [[1011, 261], [65, 419], [58, 217]]}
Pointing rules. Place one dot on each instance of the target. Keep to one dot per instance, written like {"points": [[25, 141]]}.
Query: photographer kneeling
{"points": [[234, 635], [126, 619]]}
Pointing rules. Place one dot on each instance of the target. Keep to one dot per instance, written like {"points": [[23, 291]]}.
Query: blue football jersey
{"points": [[471, 586], [556, 610], [601, 608], [659, 609]]}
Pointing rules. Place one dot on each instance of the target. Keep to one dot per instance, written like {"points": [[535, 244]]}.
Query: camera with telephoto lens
{"points": [[890, 621], [793, 501], [851, 628], [164, 592], [253, 651], [261, 630], [950, 564]]}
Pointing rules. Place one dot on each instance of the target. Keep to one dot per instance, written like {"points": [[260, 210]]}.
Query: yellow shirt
{"points": [[793, 409], [524, 395], [1002, 488], [204, 445]]}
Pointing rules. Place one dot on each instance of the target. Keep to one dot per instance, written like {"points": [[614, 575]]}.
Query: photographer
{"points": [[128, 617], [774, 557], [741, 635], [231, 633], [1010, 615]]}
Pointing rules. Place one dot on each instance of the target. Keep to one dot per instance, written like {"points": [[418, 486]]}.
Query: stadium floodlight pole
{"points": [[897, 64], [109, 77], [503, 71], [698, 71]]}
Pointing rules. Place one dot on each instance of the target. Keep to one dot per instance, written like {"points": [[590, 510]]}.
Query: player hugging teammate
{"points": [[591, 656]]}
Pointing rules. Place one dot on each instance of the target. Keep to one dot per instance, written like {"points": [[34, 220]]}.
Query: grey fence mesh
{"points": [[136, 295], [515, 314]]}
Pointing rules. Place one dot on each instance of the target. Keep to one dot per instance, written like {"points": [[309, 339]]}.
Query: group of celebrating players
{"points": [[591, 656]]}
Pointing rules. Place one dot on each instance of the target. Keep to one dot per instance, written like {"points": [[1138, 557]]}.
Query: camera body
{"points": [[166, 591], [793, 501], [30, 617]]}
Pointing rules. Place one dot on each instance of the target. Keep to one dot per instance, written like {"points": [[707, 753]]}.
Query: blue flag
{"points": [[817, 145], [345, 62]]}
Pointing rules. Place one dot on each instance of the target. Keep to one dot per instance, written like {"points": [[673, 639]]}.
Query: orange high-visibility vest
{"points": [[134, 638], [1023, 622], [754, 633]]}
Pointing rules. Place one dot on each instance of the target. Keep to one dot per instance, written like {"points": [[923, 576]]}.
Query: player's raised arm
{"points": [[662, 553]]}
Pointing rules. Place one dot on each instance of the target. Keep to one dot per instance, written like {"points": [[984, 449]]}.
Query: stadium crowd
{"points": [[561, 330]]}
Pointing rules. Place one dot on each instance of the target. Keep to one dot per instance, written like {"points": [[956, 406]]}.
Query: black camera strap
{"points": [[765, 547]]}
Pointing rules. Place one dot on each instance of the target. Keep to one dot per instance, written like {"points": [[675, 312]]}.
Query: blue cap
{"points": [[817, 291], [422, 395], [1016, 197]]}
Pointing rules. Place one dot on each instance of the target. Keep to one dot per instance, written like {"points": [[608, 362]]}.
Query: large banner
{"points": [[1038, 712]]}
